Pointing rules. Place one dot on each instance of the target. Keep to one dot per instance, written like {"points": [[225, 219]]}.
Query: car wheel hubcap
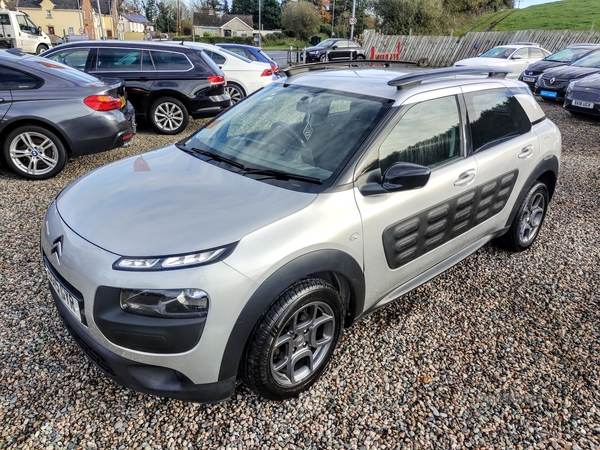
{"points": [[168, 116], [303, 344], [33, 153], [234, 93], [532, 218]]}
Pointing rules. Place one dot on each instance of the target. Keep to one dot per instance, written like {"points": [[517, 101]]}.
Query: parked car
{"points": [[515, 57], [252, 53], [165, 81], [563, 57], [249, 246], [583, 96], [334, 49], [243, 75], [552, 84], [50, 111]]}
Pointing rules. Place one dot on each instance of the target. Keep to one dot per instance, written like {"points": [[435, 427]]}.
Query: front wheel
{"points": [[168, 115], [293, 343], [41, 49], [528, 221], [34, 152]]}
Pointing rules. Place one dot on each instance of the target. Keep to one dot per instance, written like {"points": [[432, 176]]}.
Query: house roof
{"points": [[212, 20], [135, 18], [68, 4]]}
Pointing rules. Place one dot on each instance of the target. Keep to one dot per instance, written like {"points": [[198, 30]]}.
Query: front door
{"points": [[407, 232], [28, 34]]}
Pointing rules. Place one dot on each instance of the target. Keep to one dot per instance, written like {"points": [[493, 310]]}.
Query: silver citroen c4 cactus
{"points": [[246, 249]]}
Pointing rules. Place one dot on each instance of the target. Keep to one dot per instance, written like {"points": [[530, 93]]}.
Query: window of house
{"points": [[48, 14], [71, 30], [427, 134], [495, 115]]}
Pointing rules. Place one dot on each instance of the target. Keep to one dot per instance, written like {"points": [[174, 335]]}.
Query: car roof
{"points": [[125, 43]]}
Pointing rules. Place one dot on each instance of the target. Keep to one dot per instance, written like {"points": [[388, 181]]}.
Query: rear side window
{"points": [[536, 52], [122, 60], [13, 79], [494, 116], [218, 59], [170, 61], [427, 134]]}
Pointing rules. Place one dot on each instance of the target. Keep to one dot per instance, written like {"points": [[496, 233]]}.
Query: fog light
{"points": [[173, 303]]}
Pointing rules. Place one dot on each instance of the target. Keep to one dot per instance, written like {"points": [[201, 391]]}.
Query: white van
{"points": [[17, 30]]}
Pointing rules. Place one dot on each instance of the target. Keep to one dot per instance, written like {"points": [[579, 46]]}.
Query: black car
{"points": [[563, 57], [165, 82], [49, 111], [334, 49], [552, 84], [583, 96]]}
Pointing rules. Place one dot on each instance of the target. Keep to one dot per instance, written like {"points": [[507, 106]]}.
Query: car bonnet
{"points": [[168, 202]]}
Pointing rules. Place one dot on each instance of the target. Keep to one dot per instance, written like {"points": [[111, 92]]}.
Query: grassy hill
{"points": [[577, 15]]}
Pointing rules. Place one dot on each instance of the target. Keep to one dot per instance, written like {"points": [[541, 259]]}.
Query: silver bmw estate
{"points": [[246, 249]]}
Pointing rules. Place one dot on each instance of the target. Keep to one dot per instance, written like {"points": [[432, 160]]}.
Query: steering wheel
{"points": [[290, 133]]}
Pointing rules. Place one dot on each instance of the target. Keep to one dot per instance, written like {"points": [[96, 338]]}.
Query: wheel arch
{"points": [[167, 93], [35, 121], [546, 172], [334, 266]]}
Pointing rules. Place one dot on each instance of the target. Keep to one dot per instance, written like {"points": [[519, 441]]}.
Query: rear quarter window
{"points": [[13, 79]]}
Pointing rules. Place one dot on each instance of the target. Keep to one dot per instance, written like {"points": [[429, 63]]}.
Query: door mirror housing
{"points": [[517, 57], [335, 47], [400, 176]]}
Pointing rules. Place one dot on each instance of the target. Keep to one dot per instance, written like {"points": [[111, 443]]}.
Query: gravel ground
{"points": [[503, 350]]}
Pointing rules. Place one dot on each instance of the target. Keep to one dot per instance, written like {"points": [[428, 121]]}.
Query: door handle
{"points": [[526, 152], [465, 178]]}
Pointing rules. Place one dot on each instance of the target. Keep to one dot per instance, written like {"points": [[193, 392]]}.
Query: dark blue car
{"points": [[252, 53]]}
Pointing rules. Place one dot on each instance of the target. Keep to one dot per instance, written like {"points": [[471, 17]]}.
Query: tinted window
{"points": [[495, 116], [73, 57], [427, 134], [170, 61], [13, 79], [218, 59], [119, 59]]}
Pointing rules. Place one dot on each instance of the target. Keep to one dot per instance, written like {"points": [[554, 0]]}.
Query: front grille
{"points": [[94, 356], [557, 81], [588, 96]]}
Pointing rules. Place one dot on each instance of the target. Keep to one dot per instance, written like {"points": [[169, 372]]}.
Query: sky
{"points": [[525, 3]]}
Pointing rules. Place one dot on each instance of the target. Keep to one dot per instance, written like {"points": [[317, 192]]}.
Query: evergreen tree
{"points": [[270, 14]]}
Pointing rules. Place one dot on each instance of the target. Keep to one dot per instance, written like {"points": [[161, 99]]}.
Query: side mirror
{"points": [[517, 57], [400, 176], [39, 30], [335, 47]]}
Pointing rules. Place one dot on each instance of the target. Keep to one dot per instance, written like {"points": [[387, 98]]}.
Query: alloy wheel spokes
{"points": [[33, 153]]}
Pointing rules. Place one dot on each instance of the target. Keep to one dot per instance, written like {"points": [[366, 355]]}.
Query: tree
{"points": [[242, 7], [411, 16], [270, 14], [300, 18], [166, 20]]}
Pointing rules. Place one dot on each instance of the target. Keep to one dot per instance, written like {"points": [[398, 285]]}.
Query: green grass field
{"points": [[578, 15]]}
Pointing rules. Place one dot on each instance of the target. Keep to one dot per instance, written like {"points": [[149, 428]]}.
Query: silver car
{"points": [[248, 247]]}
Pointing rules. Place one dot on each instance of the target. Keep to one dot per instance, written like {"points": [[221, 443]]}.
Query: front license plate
{"points": [[528, 80], [581, 104], [548, 94], [66, 297]]}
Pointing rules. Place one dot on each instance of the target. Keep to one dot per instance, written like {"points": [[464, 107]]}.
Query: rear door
{"points": [[406, 233]]}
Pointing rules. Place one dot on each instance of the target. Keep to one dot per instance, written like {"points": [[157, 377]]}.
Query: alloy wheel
{"points": [[33, 153]]}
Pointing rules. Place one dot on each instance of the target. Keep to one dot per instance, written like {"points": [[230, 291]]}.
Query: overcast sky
{"points": [[525, 3]]}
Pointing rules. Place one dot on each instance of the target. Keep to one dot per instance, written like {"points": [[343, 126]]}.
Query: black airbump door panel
{"points": [[411, 238]]}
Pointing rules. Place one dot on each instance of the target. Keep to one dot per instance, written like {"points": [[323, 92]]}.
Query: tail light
{"points": [[216, 80], [267, 73], [104, 102], [275, 69]]}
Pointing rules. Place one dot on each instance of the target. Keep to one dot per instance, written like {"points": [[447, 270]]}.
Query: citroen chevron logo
{"points": [[57, 246]]}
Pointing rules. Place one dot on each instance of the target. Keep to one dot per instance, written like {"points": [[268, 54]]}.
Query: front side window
{"points": [[75, 58], [498, 52], [305, 132], [495, 116], [522, 52], [26, 25], [428, 134]]}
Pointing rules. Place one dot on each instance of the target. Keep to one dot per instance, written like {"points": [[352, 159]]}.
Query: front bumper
{"points": [[589, 99]]}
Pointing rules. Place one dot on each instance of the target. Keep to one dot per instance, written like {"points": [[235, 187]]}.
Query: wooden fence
{"points": [[442, 51]]}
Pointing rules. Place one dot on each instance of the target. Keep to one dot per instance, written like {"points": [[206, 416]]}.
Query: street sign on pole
{"points": [[352, 21], [81, 31]]}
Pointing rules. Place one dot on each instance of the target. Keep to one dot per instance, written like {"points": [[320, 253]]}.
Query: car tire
{"points": [[168, 115], [323, 58], [360, 57], [293, 343], [41, 48], [527, 223], [34, 152], [235, 92]]}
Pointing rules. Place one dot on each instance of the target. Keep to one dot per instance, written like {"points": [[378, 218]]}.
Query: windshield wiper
{"points": [[281, 175], [212, 155]]}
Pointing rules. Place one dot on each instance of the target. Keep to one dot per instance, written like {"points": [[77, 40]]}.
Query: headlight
{"points": [[570, 86], [175, 261], [314, 53], [174, 303]]}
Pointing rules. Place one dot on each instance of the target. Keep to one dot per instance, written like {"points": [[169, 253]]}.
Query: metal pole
{"points": [[353, 15], [259, 24], [332, 18], [101, 20]]}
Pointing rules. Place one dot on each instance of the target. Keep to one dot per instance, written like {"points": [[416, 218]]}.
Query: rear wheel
{"points": [[528, 221], [34, 152], [235, 92], [293, 343], [168, 115]]}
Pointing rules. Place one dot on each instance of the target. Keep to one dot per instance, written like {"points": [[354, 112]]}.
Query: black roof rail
{"points": [[302, 68], [415, 78]]}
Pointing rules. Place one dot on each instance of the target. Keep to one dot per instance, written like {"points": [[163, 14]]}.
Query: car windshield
{"points": [[295, 137], [498, 52], [567, 55], [589, 61], [326, 43]]}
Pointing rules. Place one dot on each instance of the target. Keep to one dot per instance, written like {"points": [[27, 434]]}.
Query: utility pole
{"points": [[178, 26], [259, 24], [101, 20], [333, 18]]}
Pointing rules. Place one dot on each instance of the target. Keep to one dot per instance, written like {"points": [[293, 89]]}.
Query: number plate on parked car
{"points": [[581, 104], [67, 298], [529, 79], [548, 94]]}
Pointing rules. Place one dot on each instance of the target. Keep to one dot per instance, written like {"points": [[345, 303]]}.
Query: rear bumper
{"points": [[103, 131], [155, 380]]}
